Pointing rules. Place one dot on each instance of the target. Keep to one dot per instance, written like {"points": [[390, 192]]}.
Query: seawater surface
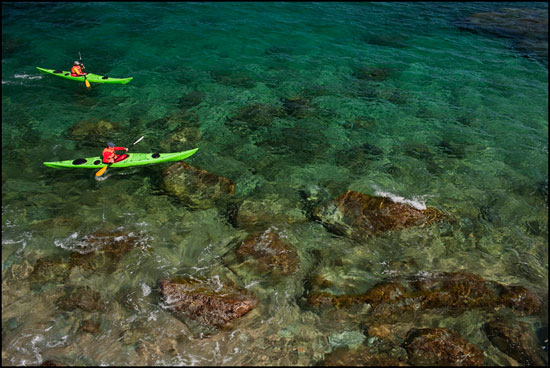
{"points": [[288, 101]]}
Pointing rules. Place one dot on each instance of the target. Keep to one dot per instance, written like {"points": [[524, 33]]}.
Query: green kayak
{"points": [[92, 78], [134, 159]]}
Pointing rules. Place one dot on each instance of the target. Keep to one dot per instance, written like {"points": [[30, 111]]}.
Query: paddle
{"points": [[104, 168], [86, 82]]}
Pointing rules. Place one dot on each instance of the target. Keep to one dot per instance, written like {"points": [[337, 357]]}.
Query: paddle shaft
{"points": [[86, 82]]}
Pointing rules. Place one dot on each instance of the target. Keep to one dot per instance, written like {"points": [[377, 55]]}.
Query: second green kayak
{"points": [[134, 159], [92, 78]]}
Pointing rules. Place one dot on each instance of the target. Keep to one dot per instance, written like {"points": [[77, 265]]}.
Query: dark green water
{"points": [[458, 121]]}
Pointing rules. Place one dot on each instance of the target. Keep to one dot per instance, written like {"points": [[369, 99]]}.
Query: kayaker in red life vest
{"points": [[109, 155], [76, 70]]}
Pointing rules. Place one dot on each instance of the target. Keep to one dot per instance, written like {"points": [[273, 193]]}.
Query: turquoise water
{"points": [[457, 120]]}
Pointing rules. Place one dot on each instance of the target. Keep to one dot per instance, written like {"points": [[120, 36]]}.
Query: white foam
{"points": [[27, 76], [416, 202], [70, 243], [12, 83], [145, 289]]}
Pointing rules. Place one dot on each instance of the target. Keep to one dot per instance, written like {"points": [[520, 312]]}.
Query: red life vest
{"points": [[110, 157], [76, 71], [107, 153]]}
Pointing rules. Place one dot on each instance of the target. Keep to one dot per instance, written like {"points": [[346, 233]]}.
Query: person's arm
{"points": [[121, 149]]}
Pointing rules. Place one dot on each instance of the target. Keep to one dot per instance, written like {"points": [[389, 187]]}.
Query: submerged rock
{"points": [[191, 99], [104, 250], [357, 159], [395, 96], [89, 326], [418, 150], [441, 346], [520, 298], [93, 131], [303, 142], [518, 341], [454, 291], [182, 139], [270, 252], [359, 215], [373, 74], [80, 297], [271, 210], [236, 79], [296, 106], [388, 40], [207, 304], [344, 356], [527, 27], [195, 187], [12, 45], [256, 115], [50, 363], [278, 50], [451, 149], [175, 120], [50, 269], [542, 189]]}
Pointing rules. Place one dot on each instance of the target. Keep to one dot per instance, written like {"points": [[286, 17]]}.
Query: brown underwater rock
{"points": [[81, 297], [90, 326], [517, 340], [190, 298], [233, 78], [359, 357], [104, 250], [257, 114], [359, 215], [270, 251], [94, 131], [518, 297], [441, 346], [297, 106], [373, 74], [50, 269], [195, 187], [456, 291], [255, 214], [191, 99], [528, 28]]}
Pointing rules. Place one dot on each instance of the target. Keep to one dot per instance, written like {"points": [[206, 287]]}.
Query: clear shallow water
{"points": [[460, 123]]}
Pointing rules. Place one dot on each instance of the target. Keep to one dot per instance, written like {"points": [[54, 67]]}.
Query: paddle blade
{"points": [[138, 140], [100, 172], [87, 83]]}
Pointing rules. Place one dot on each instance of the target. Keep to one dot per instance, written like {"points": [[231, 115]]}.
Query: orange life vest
{"points": [[107, 153], [76, 71]]}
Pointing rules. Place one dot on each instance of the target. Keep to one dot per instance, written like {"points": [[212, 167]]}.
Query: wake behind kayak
{"points": [[92, 78]]}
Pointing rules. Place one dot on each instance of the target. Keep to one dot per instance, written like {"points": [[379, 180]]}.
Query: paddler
{"points": [[109, 155], [76, 70]]}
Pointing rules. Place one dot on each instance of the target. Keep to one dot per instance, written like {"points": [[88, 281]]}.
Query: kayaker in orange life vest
{"points": [[76, 70], [109, 155]]}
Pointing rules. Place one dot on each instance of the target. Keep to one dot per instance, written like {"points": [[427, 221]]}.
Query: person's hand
{"points": [[126, 149]]}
